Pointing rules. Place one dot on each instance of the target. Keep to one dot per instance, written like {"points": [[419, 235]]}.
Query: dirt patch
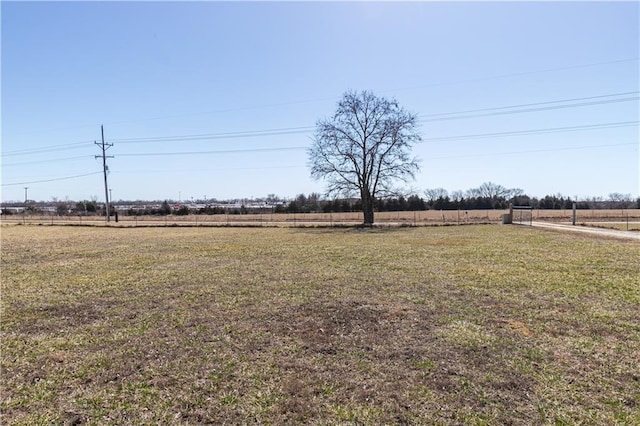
{"points": [[57, 318]]}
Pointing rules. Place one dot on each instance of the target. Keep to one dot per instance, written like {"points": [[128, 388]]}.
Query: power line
{"points": [[52, 148], [533, 151], [535, 131], [443, 138], [228, 151], [211, 170], [468, 136], [291, 167], [206, 136], [52, 160], [307, 129], [518, 74], [294, 130], [449, 83], [434, 139], [635, 98], [51, 180], [533, 104]]}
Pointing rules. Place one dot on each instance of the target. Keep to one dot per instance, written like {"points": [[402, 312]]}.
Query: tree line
{"points": [[487, 196]]}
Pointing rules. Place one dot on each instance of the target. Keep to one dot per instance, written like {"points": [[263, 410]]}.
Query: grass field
{"points": [[426, 217], [478, 324]]}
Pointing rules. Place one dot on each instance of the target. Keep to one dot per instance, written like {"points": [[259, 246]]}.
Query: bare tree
{"points": [[433, 194], [618, 197], [494, 191], [618, 200], [489, 190], [364, 148], [457, 195]]}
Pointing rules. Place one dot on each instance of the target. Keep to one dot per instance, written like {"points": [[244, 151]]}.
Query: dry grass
{"points": [[588, 215], [276, 219], [620, 226], [445, 325], [418, 218]]}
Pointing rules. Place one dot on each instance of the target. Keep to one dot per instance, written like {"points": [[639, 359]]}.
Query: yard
{"points": [[475, 324]]}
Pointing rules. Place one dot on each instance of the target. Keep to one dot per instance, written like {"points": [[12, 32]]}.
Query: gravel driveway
{"points": [[613, 233]]}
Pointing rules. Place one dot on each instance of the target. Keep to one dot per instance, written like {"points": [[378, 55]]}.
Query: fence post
{"points": [[573, 220]]}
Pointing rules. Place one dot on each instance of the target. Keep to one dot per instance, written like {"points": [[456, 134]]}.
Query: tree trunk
{"points": [[367, 209]]}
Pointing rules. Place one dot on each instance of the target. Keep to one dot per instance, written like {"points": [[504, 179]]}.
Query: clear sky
{"points": [[234, 72]]}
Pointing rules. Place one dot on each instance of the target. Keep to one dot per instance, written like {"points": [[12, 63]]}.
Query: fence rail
{"points": [[628, 217]]}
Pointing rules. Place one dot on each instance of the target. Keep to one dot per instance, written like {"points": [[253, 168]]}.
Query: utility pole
{"points": [[105, 169]]}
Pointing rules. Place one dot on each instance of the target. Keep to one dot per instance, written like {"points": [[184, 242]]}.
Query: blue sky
{"points": [[148, 71]]}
